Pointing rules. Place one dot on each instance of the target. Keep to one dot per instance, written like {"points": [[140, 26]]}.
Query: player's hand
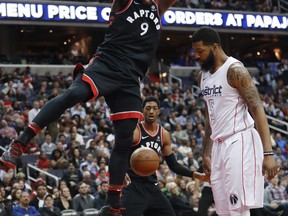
{"points": [[127, 180], [206, 164], [269, 167], [201, 176]]}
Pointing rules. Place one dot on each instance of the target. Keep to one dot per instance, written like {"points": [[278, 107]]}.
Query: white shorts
{"points": [[236, 172]]}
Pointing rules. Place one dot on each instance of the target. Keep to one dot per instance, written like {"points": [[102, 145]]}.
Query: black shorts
{"points": [[145, 199], [121, 92]]}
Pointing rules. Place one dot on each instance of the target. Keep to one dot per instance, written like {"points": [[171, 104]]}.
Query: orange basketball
{"points": [[144, 161]]}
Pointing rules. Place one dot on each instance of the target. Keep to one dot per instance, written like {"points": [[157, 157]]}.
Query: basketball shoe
{"points": [[10, 156], [109, 211]]}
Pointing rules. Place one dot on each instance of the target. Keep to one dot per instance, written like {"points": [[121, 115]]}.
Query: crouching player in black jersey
{"points": [[142, 196]]}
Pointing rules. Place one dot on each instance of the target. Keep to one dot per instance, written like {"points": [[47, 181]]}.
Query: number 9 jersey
{"points": [[132, 37]]}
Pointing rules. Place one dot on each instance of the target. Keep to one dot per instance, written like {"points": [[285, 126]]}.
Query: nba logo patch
{"points": [[233, 199], [158, 138], [153, 8]]}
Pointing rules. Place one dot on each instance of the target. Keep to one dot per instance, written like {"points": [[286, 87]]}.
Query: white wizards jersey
{"points": [[228, 114]]}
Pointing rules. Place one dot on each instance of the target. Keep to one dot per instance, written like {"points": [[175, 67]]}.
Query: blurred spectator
{"points": [[55, 193], [179, 136], [276, 197], [91, 148], [49, 209], [185, 148], [23, 208], [6, 183], [7, 133], [102, 177], [83, 200], [33, 147], [57, 161], [91, 164], [77, 136], [72, 176], [34, 111], [87, 178], [65, 200], [190, 161], [43, 161], [41, 192], [48, 146], [15, 200], [76, 158], [280, 141], [90, 128], [101, 196], [179, 203]]}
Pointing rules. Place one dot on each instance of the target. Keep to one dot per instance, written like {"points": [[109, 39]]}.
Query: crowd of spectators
{"points": [[80, 142]]}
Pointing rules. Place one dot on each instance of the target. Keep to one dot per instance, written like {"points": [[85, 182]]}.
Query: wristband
{"points": [[268, 153]]}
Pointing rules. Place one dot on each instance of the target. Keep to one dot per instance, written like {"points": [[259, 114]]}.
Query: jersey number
{"points": [[144, 27]]}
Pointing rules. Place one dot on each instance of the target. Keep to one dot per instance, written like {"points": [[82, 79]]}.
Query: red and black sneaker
{"points": [[109, 211], [10, 156]]}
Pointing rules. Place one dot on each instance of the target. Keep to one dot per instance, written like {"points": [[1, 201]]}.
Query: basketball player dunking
{"points": [[143, 196], [115, 71], [240, 156]]}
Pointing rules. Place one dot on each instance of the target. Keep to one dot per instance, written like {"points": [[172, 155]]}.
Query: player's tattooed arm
{"points": [[207, 142], [207, 146], [239, 78]]}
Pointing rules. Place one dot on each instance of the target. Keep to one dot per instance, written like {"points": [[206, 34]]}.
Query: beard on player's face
{"points": [[208, 64]]}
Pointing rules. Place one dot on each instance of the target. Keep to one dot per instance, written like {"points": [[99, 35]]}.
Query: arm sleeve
{"points": [[176, 167]]}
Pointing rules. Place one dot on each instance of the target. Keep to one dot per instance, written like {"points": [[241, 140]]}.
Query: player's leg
{"points": [[125, 105], [134, 199], [158, 204], [217, 180], [243, 172], [119, 157], [78, 91], [206, 200]]}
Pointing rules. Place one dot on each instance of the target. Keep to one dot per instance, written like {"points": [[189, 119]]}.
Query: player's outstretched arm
{"points": [[172, 163], [239, 78]]}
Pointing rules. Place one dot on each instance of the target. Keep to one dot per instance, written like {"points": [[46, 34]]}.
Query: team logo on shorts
{"points": [[233, 199]]}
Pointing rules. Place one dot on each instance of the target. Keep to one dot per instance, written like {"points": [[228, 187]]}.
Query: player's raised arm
{"points": [[239, 78], [164, 5]]}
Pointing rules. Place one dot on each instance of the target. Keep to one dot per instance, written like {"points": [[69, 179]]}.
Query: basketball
{"points": [[144, 161]]}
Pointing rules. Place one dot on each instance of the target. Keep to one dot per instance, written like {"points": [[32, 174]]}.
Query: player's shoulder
{"points": [[118, 5], [237, 68], [237, 74]]}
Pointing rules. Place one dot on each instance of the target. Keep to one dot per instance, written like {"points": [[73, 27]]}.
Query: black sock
{"points": [[113, 198], [26, 136]]}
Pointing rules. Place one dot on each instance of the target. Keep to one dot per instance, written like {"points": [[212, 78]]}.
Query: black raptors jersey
{"points": [[131, 39], [151, 141]]}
